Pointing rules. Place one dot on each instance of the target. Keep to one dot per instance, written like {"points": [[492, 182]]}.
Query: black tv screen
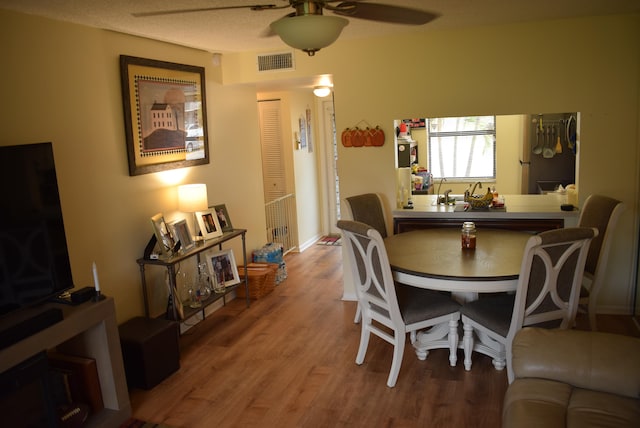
{"points": [[34, 259]]}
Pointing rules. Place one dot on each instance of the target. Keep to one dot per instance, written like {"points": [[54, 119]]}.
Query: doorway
{"points": [[280, 207], [330, 184]]}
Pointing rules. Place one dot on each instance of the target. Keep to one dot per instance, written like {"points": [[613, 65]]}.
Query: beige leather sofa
{"points": [[570, 378]]}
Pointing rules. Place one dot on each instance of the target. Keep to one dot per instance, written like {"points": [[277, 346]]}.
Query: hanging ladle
{"points": [[537, 149], [548, 150]]}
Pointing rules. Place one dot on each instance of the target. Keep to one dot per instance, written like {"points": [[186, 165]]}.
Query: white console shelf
{"points": [[89, 330]]}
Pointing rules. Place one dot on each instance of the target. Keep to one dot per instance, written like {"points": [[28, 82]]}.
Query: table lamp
{"points": [[193, 198]]}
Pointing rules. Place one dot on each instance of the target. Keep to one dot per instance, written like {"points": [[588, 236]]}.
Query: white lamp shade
{"points": [[192, 198], [309, 32]]}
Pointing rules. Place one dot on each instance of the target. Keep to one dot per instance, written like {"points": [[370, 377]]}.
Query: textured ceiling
{"points": [[244, 29]]}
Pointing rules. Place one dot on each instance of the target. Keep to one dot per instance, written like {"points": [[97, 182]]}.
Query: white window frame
{"points": [[486, 137]]}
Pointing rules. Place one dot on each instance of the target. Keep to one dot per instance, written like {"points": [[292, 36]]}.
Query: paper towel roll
{"points": [[403, 186], [572, 195]]}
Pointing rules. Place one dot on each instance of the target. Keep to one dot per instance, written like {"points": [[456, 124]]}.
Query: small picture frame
{"points": [[166, 241], [208, 224], [182, 234], [222, 264], [223, 217]]}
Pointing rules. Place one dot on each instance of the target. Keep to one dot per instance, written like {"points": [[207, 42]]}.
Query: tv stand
{"points": [[26, 323], [89, 330]]}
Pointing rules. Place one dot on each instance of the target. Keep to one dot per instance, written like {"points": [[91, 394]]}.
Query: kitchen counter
{"points": [[533, 213]]}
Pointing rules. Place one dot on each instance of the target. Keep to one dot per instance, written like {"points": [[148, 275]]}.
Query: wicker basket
{"points": [[262, 279], [481, 202]]}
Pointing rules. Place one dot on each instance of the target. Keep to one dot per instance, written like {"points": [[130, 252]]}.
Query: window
{"points": [[462, 147]]}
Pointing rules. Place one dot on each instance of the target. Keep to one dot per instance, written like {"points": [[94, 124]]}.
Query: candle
{"points": [[95, 278]]}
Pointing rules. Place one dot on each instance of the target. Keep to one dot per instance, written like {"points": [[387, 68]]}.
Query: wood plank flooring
{"points": [[289, 361]]}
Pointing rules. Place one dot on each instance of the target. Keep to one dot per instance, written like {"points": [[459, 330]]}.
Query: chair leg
{"points": [[453, 342], [365, 333], [398, 353], [358, 316], [592, 318], [468, 345]]}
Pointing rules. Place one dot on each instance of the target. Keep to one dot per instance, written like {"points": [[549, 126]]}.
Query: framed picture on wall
{"points": [[208, 224], [302, 124], [222, 264], [309, 131], [165, 114]]}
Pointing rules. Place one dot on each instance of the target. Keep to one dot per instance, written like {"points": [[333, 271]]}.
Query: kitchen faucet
{"points": [[446, 193], [474, 187], [446, 197]]}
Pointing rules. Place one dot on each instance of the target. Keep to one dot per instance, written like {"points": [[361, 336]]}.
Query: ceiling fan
{"points": [[309, 30]]}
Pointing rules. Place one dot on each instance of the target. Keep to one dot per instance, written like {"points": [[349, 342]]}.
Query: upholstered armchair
{"points": [[571, 378]]}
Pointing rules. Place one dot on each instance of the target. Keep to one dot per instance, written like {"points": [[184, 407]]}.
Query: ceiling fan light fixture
{"points": [[321, 91], [309, 33]]}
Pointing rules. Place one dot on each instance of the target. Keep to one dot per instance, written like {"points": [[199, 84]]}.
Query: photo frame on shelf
{"points": [[166, 241], [209, 224], [223, 217], [222, 264], [182, 234], [175, 93]]}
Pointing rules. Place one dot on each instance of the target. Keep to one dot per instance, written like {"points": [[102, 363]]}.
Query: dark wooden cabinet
{"points": [[407, 224]]}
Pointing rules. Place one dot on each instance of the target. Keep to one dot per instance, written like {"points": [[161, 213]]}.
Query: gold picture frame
{"points": [[165, 114]]}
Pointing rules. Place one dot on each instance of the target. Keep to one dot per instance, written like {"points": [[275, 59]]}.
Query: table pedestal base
{"points": [[439, 336], [485, 345]]}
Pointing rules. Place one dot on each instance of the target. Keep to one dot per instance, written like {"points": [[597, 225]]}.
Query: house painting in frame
{"points": [[165, 115]]}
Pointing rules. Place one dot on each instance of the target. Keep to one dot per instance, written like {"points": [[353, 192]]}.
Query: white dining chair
{"points": [[601, 212], [391, 310], [367, 208], [546, 296]]}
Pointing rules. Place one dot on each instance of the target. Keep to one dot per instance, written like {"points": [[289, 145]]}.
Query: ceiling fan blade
{"points": [[257, 7], [383, 13]]}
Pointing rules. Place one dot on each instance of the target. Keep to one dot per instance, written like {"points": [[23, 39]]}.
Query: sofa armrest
{"points": [[585, 359]]}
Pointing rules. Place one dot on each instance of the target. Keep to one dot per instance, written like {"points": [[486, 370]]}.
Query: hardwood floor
{"points": [[289, 361]]}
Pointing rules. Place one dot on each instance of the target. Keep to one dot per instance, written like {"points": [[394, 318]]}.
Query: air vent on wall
{"points": [[275, 62]]}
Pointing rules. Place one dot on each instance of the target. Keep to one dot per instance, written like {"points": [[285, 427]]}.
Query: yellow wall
{"points": [[587, 65], [62, 84]]}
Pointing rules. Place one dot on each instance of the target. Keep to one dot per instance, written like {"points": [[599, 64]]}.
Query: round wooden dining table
{"points": [[434, 259]]}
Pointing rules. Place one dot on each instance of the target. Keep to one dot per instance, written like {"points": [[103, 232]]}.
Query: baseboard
{"points": [[185, 325], [349, 297], [613, 310], [309, 243]]}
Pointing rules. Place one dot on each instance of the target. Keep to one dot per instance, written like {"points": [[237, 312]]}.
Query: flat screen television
{"points": [[34, 259]]}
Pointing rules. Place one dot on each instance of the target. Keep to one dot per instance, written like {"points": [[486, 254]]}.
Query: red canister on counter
{"points": [[468, 235]]}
